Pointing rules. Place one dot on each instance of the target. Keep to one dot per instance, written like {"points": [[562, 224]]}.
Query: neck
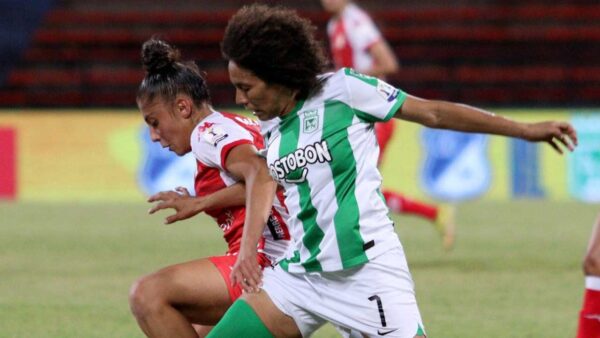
{"points": [[289, 106], [202, 112]]}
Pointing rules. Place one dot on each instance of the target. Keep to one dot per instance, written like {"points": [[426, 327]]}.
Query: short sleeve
{"points": [[372, 99], [213, 140]]}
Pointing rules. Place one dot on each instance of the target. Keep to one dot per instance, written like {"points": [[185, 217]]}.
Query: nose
{"points": [[240, 97], [154, 135]]}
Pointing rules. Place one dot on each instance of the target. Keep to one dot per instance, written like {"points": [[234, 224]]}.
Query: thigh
{"points": [[196, 288], [289, 292], [276, 321], [594, 243], [375, 299]]}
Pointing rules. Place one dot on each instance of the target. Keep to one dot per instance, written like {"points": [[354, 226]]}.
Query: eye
{"points": [[153, 123], [243, 88]]}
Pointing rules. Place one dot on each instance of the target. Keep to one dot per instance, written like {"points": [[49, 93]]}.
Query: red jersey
{"points": [[212, 140], [351, 34]]}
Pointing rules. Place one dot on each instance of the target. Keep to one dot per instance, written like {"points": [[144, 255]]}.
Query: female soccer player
{"points": [[346, 264], [175, 103], [589, 318]]}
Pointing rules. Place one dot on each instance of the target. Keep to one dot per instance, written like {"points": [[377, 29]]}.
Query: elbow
{"points": [[390, 68], [394, 67], [433, 119]]}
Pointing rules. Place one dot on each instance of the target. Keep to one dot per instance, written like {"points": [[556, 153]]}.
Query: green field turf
{"points": [[65, 269]]}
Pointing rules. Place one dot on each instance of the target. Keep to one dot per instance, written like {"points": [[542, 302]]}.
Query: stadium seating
{"points": [[86, 53]]}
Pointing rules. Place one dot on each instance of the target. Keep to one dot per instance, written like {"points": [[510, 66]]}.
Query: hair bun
{"points": [[158, 56]]}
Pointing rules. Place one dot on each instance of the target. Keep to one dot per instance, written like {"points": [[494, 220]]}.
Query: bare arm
{"points": [[244, 162], [384, 60], [187, 206], [460, 117]]}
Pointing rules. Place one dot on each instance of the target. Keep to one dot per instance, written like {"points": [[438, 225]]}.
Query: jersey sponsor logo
{"points": [[292, 167], [310, 121], [212, 133], [387, 91], [275, 228]]}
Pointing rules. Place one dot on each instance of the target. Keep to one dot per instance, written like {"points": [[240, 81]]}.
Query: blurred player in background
{"points": [[589, 318], [355, 42], [175, 103], [346, 264]]}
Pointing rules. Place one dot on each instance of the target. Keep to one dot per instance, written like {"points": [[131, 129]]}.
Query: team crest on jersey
{"points": [[387, 91], [212, 133], [310, 121]]}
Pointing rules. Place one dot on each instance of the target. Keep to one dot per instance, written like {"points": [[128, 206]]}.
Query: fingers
{"points": [[173, 218], [183, 191], [248, 275], [160, 196], [562, 139], [568, 132], [160, 206], [555, 146], [566, 135]]}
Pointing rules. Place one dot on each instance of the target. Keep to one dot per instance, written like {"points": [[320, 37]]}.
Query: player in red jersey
{"points": [[186, 299], [589, 318], [355, 42]]}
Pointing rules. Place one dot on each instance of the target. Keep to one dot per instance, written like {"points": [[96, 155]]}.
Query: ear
{"points": [[184, 106]]}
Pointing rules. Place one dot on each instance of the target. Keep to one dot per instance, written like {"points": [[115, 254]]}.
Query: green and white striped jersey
{"points": [[324, 153]]}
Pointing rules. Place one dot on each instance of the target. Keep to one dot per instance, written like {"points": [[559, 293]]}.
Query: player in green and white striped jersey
{"points": [[324, 153], [346, 264]]}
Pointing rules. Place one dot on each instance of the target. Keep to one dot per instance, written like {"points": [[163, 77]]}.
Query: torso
{"points": [[351, 35], [211, 141], [324, 154]]}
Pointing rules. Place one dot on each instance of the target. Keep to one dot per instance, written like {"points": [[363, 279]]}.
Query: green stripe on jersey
{"points": [[337, 118], [364, 78], [313, 235], [294, 259]]}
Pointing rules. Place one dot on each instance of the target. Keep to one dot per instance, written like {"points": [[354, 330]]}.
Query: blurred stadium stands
{"points": [[493, 53]]}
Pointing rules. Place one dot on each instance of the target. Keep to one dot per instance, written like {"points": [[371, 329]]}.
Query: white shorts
{"points": [[376, 299]]}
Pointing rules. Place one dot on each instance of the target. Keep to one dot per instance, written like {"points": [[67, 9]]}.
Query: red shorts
{"points": [[225, 265]]}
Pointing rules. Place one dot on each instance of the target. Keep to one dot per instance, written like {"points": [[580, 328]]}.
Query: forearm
{"points": [[466, 118], [459, 117], [231, 196], [384, 61], [260, 191]]}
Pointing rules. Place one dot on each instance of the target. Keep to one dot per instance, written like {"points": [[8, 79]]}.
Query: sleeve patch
{"points": [[387, 91], [211, 133]]}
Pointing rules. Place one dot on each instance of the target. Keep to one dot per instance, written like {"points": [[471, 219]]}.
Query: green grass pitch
{"points": [[65, 269]]}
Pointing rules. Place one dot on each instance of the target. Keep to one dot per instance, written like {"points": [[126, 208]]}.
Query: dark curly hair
{"points": [[167, 76], [277, 45]]}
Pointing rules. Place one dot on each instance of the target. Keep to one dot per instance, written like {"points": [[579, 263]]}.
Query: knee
{"points": [[145, 297], [591, 265]]}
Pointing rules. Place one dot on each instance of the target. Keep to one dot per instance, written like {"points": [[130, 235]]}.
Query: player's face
{"points": [[267, 101], [334, 6], [166, 126]]}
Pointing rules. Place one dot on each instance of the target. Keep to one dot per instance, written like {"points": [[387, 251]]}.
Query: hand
{"points": [[553, 132], [247, 272], [184, 204]]}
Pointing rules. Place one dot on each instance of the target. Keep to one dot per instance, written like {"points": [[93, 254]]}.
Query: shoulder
{"points": [[356, 15], [218, 127]]}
